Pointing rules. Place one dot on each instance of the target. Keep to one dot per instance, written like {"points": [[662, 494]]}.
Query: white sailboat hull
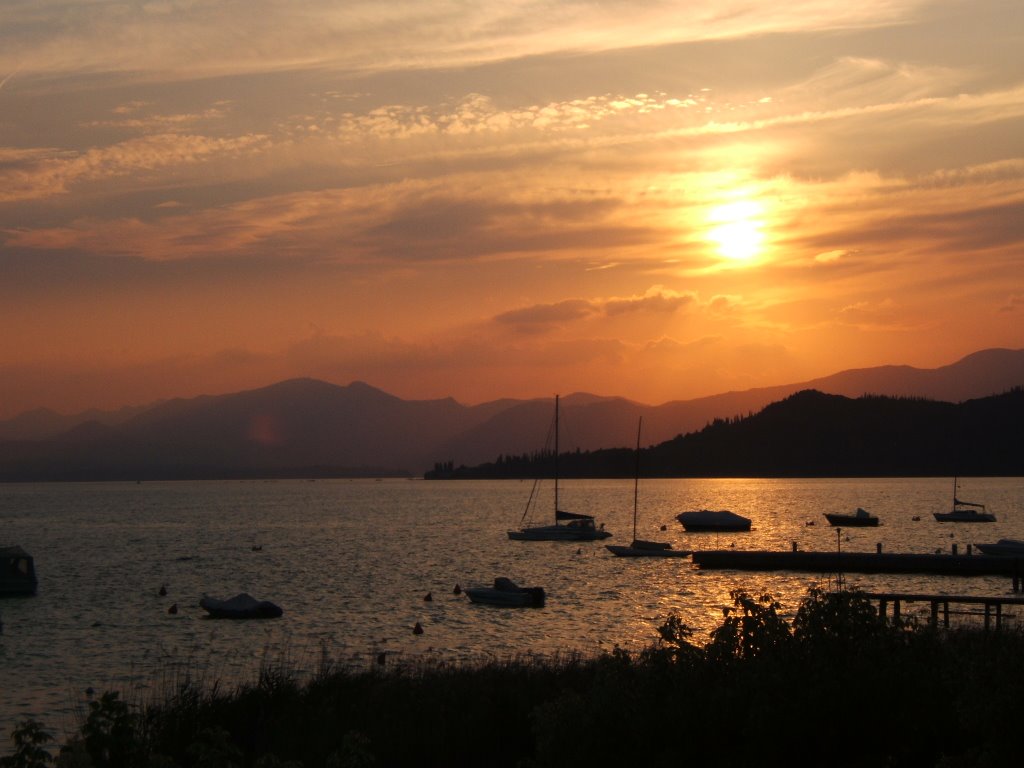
{"points": [[558, 533]]}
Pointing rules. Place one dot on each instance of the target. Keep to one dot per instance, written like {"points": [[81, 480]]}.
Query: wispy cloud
{"points": [[40, 174], [105, 35]]}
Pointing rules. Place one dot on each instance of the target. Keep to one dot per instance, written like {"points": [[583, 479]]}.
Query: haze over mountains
{"points": [[308, 427]]}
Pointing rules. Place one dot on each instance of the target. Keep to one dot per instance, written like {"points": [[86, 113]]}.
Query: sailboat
{"points": [[965, 511], [576, 527], [641, 547]]}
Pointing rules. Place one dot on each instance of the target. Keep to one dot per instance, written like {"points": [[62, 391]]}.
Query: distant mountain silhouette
{"points": [[812, 434], [305, 427]]}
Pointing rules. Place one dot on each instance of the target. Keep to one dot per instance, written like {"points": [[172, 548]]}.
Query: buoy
{"points": [[418, 629], [163, 590], [89, 691], [173, 609], [457, 590], [664, 527], [428, 597]]}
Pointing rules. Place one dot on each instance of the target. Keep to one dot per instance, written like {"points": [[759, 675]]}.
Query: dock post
{"points": [[794, 546], [878, 548], [935, 613], [945, 614], [881, 608], [896, 609], [970, 549], [987, 611], [954, 550]]}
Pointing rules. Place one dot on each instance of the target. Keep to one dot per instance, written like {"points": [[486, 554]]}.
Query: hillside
{"points": [[813, 434]]}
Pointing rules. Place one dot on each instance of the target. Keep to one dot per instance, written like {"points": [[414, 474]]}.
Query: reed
{"points": [[834, 686]]}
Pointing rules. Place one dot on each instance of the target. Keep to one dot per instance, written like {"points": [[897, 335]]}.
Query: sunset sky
{"points": [[658, 200]]}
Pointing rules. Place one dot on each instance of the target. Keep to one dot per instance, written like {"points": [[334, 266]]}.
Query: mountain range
{"points": [[306, 427]]}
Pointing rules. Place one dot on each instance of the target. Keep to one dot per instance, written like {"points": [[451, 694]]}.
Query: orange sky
{"points": [[491, 200]]}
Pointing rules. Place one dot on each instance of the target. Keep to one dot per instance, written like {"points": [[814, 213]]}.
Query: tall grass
{"points": [[835, 686]]}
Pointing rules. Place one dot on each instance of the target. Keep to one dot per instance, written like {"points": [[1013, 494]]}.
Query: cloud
{"points": [[657, 300], [41, 174], [1014, 303], [883, 315], [545, 315], [263, 35]]}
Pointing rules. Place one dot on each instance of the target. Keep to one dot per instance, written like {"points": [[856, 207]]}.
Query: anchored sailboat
{"points": [[576, 527], [640, 547]]}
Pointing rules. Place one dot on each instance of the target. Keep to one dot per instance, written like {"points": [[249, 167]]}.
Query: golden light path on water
{"points": [[351, 562]]}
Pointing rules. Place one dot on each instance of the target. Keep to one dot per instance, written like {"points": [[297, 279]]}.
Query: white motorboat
{"points": [[1003, 548], [507, 594], [708, 520], [568, 526]]}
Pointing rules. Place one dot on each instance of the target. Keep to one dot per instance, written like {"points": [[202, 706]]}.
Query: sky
{"points": [[480, 200]]}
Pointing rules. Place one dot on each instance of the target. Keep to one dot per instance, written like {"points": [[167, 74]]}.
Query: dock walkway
{"points": [[860, 562]]}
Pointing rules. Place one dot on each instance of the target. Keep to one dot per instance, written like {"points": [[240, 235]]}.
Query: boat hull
{"points": [[964, 517], [524, 597], [623, 551], [851, 521], [241, 606], [1003, 548], [558, 533], [17, 573], [704, 520]]}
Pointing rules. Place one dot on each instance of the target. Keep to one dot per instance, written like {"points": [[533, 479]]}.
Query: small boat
{"points": [[577, 527], [640, 547], [708, 520], [241, 606], [507, 594], [964, 511], [17, 572], [1003, 548], [859, 519]]}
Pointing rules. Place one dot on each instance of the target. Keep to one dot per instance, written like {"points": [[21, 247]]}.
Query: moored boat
{"points": [[17, 572], [577, 526], [507, 594], [241, 606], [1003, 548], [859, 519], [708, 520], [641, 547], [964, 511]]}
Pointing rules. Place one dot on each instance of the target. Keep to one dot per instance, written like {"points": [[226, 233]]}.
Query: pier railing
{"points": [[991, 608]]}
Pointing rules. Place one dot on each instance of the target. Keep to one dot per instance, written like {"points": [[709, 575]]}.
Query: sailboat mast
{"points": [[556, 458], [636, 480]]}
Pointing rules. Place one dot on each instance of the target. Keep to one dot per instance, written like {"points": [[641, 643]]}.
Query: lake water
{"points": [[350, 562]]}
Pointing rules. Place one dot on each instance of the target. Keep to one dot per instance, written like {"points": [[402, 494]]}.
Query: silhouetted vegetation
{"points": [[834, 686], [811, 434]]}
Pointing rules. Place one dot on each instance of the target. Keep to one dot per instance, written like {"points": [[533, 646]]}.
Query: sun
{"points": [[736, 230]]}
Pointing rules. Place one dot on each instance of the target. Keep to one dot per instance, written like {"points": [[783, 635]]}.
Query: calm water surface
{"points": [[351, 561]]}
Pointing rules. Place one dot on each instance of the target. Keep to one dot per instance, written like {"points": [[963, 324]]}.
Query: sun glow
{"points": [[736, 230]]}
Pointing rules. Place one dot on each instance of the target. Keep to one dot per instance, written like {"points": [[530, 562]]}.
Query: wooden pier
{"points": [[991, 607], [861, 562]]}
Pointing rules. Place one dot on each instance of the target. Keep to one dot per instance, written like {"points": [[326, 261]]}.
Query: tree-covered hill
{"points": [[814, 434]]}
